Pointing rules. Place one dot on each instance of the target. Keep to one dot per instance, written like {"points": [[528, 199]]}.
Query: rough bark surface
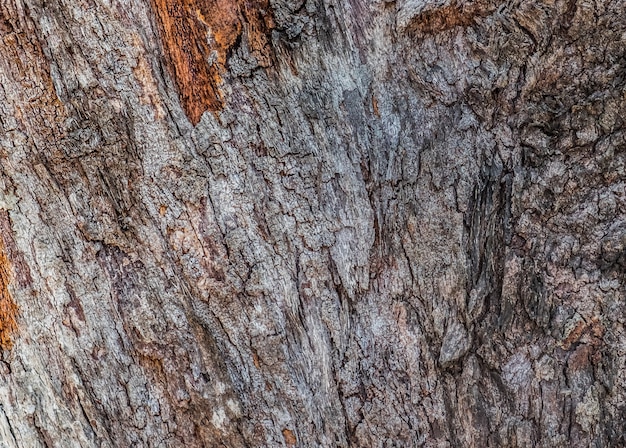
{"points": [[398, 223]]}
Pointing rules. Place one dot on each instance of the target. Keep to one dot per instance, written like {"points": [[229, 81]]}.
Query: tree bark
{"points": [[313, 223]]}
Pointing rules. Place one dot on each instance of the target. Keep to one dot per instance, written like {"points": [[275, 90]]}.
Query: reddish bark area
{"points": [[8, 308], [197, 36]]}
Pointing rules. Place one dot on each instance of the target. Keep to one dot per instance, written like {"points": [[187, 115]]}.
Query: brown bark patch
{"points": [[290, 437], [8, 308], [255, 359], [375, 106], [21, 272], [447, 17], [587, 332], [197, 37]]}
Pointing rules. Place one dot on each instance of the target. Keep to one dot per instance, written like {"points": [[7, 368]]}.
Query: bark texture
{"points": [[398, 223]]}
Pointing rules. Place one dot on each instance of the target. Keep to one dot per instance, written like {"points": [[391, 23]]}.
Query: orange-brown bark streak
{"points": [[197, 36], [8, 308]]}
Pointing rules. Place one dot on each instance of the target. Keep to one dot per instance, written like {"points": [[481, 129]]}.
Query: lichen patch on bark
{"points": [[197, 36]]}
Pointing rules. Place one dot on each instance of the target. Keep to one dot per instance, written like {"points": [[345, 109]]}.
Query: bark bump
{"points": [[197, 36]]}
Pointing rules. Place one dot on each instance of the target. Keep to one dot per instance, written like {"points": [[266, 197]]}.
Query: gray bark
{"points": [[404, 225]]}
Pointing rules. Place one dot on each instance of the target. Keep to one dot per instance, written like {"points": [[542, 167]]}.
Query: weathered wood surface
{"points": [[398, 223]]}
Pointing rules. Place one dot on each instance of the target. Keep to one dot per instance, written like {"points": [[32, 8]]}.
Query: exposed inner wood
{"points": [[8, 308], [197, 36]]}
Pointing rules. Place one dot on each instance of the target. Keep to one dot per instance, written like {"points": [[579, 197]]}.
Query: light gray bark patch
{"points": [[455, 344]]}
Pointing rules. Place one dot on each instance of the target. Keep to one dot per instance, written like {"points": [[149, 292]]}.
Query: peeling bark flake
{"points": [[197, 36], [8, 308]]}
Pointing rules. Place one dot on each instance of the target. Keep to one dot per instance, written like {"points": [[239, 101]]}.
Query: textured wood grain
{"points": [[405, 225]]}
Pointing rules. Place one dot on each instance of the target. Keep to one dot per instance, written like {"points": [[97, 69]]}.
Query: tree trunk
{"points": [[320, 223]]}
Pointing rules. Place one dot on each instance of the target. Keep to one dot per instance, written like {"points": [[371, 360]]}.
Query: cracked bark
{"points": [[367, 223]]}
